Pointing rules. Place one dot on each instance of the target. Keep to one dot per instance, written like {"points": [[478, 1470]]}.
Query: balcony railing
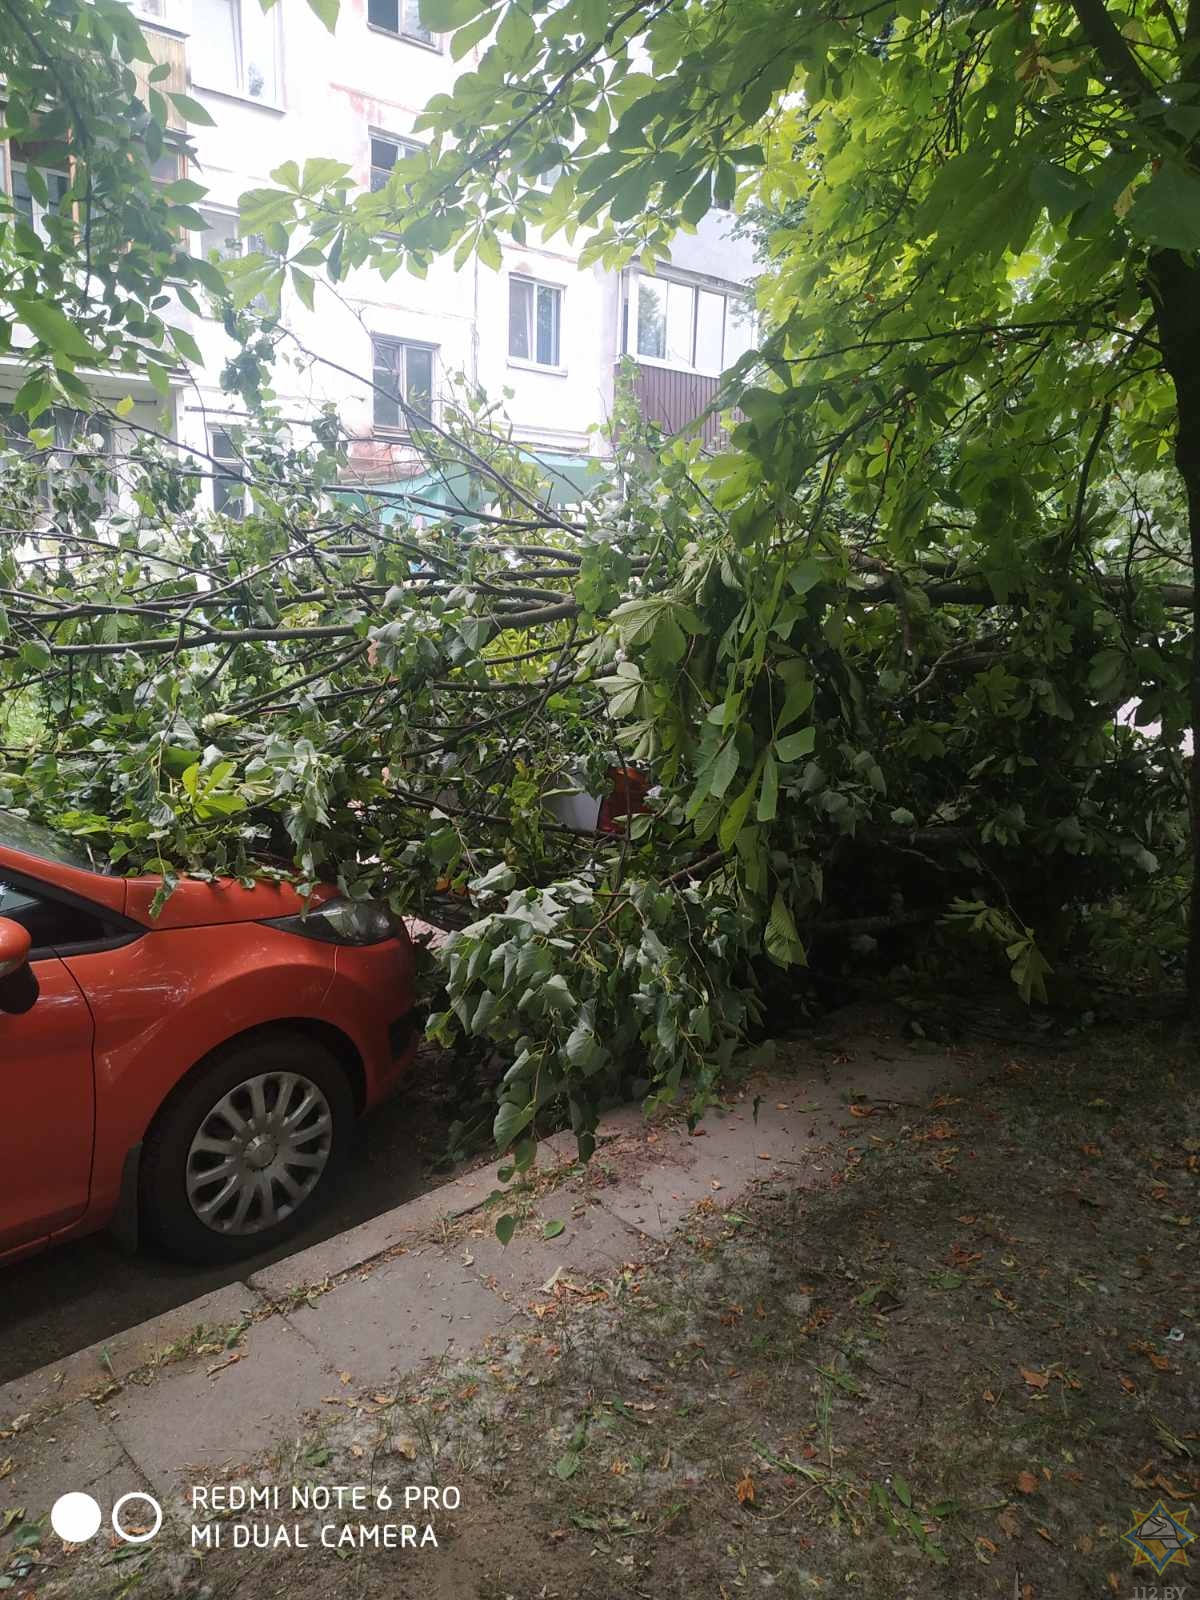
{"points": [[675, 399]]}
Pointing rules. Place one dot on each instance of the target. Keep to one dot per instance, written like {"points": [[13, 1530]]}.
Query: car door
{"points": [[47, 1092]]}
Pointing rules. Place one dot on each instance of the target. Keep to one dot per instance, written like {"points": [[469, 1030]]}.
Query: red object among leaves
{"points": [[625, 798]]}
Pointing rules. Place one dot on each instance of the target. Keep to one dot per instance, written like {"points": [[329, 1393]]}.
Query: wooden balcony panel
{"points": [[166, 48]]}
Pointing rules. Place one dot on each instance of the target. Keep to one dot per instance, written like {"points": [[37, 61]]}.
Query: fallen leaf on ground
{"points": [[1027, 1483], [745, 1490], [1035, 1380]]}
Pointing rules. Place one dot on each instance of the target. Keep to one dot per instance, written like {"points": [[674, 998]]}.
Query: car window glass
{"points": [[51, 923], [18, 833]]}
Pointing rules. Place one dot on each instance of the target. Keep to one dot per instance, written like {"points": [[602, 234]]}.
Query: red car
{"points": [[193, 1075]]}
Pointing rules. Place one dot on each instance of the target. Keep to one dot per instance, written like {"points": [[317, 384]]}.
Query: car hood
{"points": [[197, 903]]}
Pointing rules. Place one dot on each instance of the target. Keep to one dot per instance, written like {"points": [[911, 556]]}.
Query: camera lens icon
{"points": [[76, 1518]]}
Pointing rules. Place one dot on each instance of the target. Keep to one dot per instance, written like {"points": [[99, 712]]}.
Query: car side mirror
{"points": [[18, 984], [14, 946]]}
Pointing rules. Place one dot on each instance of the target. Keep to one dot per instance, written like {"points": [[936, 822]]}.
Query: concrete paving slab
{"points": [[372, 1238], [192, 1416], [112, 1360], [405, 1311], [657, 1202], [593, 1241], [557, 1150], [76, 1451]]}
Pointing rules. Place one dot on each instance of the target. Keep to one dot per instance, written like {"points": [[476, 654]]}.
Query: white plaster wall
{"points": [[333, 91]]}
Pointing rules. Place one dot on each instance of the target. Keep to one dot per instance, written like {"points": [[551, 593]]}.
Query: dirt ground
{"points": [[959, 1367]]}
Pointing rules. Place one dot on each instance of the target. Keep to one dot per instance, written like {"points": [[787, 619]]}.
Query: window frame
{"points": [[216, 458], [400, 429], [122, 929], [405, 146], [531, 363], [37, 211], [632, 300], [237, 87], [403, 30]]}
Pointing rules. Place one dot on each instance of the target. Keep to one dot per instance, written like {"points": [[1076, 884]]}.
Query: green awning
{"points": [[568, 479]]}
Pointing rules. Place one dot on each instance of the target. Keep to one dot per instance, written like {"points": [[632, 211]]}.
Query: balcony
{"points": [[674, 398], [168, 48]]}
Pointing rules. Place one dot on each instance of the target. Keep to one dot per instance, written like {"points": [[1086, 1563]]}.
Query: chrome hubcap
{"points": [[259, 1153]]}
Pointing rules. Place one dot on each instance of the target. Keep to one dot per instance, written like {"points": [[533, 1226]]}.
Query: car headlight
{"points": [[341, 922]]}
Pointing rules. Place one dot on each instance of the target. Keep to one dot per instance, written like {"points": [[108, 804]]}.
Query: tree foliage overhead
{"points": [[871, 654], [87, 119], [981, 304]]}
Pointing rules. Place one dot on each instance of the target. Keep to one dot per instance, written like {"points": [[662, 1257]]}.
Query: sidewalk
{"points": [[234, 1387]]}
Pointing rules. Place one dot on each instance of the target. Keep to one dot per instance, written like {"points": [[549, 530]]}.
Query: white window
{"points": [[228, 483], [683, 325], [220, 242], [386, 150], [401, 17], [235, 48], [220, 237], [534, 322], [403, 378]]}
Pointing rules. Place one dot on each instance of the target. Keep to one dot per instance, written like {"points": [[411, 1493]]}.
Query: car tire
{"points": [[245, 1150]]}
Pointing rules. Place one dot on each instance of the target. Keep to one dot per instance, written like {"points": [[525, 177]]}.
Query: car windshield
{"points": [[18, 833]]}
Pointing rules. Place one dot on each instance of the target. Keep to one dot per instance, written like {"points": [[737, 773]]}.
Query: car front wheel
{"points": [[242, 1155]]}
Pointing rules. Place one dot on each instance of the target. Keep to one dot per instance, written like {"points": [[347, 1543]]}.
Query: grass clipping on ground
{"points": [[958, 1368]]}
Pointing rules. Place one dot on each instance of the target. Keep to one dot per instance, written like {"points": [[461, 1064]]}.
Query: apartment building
{"points": [[279, 87]]}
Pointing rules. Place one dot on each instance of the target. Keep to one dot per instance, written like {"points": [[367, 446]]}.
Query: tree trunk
{"points": [[1176, 289]]}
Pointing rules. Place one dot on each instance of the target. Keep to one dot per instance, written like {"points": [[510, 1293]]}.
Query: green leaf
{"points": [[553, 1229], [186, 345], [511, 1119], [1166, 211], [516, 32], [488, 249], [47, 323], [903, 1492], [735, 818], [469, 36], [445, 15], [783, 943], [304, 287], [796, 745], [724, 766], [327, 11], [191, 110], [768, 800], [506, 1226], [34, 655]]}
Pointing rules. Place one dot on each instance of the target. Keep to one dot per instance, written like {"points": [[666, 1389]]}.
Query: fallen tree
{"points": [[846, 751], [872, 654]]}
